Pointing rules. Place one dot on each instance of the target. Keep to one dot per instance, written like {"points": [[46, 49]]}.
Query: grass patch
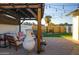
{"points": [[76, 46], [45, 34]]}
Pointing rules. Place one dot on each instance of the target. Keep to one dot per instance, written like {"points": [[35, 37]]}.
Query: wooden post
{"points": [[19, 25], [39, 31], [18, 18]]}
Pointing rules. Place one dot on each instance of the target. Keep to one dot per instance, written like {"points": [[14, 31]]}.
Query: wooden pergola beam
{"points": [[19, 6], [28, 19], [23, 13], [22, 21], [38, 17], [13, 15], [33, 13], [9, 12]]}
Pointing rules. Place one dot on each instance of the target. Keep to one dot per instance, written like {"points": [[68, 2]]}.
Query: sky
{"points": [[58, 11]]}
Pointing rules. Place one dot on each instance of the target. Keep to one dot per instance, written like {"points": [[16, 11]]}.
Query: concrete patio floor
{"points": [[55, 46], [58, 46]]}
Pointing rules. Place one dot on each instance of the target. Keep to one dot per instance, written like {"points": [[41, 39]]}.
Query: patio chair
{"points": [[13, 41], [21, 36], [3, 42]]}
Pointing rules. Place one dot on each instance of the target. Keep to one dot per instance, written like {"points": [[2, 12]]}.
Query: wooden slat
{"points": [[7, 20], [4, 4], [20, 6], [23, 13], [9, 12], [32, 12]]}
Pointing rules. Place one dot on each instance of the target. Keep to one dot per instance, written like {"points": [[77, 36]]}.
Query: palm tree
{"points": [[47, 20]]}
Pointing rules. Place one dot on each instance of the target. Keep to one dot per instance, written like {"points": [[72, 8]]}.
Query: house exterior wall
{"points": [[75, 27], [4, 28], [68, 29], [78, 27]]}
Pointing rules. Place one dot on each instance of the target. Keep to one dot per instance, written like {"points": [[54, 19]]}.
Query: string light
{"points": [[78, 6], [63, 6], [56, 9], [49, 6], [61, 11]]}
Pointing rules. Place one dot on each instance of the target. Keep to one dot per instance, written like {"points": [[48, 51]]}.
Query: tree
{"points": [[47, 20], [65, 23]]}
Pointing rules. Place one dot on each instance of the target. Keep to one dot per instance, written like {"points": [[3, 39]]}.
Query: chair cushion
{"points": [[21, 35], [19, 42], [15, 38]]}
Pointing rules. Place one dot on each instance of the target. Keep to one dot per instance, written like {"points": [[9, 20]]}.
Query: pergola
{"points": [[23, 11]]}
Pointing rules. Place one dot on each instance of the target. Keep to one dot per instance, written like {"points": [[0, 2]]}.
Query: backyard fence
{"points": [[55, 29]]}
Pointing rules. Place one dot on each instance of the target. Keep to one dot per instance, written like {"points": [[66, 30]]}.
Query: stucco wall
{"points": [[75, 27], [4, 28], [78, 27]]}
